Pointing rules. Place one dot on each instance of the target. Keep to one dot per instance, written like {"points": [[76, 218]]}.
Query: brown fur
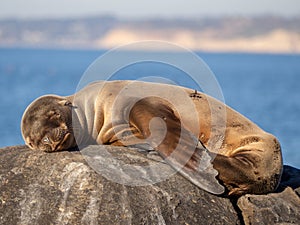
{"points": [[247, 158], [46, 124]]}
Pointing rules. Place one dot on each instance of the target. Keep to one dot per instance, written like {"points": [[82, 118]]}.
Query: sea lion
{"points": [[246, 158]]}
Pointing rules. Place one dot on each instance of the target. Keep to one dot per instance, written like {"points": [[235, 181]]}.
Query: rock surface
{"points": [[62, 188], [275, 208]]}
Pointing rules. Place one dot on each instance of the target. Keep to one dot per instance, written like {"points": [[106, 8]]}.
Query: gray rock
{"points": [[86, 188], [61, 188], [274, 208]]}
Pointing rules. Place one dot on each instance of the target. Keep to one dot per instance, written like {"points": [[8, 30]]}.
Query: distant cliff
{"points": [[257, 34]]}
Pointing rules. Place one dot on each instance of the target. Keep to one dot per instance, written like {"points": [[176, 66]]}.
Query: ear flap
{"points": [[65, 102]]}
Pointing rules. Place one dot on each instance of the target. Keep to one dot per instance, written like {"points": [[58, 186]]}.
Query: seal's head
{"points": [[47, 124]]}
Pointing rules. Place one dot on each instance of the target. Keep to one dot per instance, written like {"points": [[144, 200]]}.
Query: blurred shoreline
{"points": [[261, 34]]}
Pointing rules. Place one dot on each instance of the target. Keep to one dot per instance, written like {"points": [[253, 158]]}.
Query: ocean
{"points": [[263, 87]]}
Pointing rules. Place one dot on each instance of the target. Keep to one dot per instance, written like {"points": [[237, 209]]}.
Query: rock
{"points": [[61, 188], [68, 188], [274, 208]]}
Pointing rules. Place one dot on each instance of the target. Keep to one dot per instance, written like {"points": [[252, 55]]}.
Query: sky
{"points": [[145, 8]]}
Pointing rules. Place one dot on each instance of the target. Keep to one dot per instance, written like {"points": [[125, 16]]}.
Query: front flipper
{"points": [[199, 170], [160, 127]]}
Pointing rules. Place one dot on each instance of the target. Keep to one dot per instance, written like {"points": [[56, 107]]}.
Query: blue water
{"points": [[263, 87]]}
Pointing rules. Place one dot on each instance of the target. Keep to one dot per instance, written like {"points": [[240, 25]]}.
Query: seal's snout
{"points": [[53, 146], [57, 139], [45, 124]]}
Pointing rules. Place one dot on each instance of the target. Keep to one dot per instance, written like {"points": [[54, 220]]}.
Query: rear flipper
{"points": [[162, 130], [199, 170]]}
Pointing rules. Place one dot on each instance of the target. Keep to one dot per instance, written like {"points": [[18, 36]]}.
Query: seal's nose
{"points": [[54, 146]]}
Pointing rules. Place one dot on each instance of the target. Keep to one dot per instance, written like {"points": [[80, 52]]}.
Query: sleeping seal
{"points": [[182, 125]]}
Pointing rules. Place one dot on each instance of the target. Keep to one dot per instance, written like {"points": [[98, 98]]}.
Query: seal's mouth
{"points": [[62, 133]]}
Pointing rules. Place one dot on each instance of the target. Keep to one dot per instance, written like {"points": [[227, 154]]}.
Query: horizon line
{"points": [[147, 17]]}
